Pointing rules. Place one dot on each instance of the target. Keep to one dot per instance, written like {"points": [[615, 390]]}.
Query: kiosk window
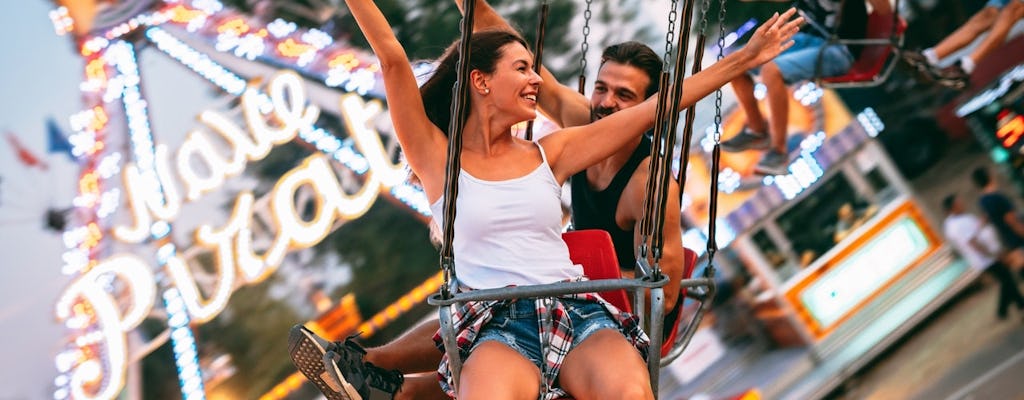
{"points": [[817, 222], [880, 185]]}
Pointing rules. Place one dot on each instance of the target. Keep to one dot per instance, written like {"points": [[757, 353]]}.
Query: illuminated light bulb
{"points": [[317, 38], [183, 345], [291, 48], [110, 321], [202, 310], [236, 26], [368, 140], [196, 61], [280, 28], [109, 202], [208, 6], [109, 165]]}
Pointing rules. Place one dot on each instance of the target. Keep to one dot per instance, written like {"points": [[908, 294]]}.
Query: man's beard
{"points": [[600, 112]]}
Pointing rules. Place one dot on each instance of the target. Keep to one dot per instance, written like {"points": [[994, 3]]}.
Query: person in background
{"points": [[810, 57], [978, 243], [1001, 212], [996, 18]]}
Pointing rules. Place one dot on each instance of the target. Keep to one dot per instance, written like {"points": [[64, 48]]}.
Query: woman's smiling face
{"points": [[513, 86]]}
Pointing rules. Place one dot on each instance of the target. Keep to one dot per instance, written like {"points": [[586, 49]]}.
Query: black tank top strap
{"points": [[596, 209]]}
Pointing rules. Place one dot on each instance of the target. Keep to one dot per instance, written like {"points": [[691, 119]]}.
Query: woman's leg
{"points": [[420, 387], [605, 366], [496, 371]]}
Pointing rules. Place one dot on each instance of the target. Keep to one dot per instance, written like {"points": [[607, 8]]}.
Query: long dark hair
{"points": [[485, 50]]}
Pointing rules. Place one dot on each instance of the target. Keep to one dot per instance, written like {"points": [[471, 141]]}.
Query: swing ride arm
{"points": [[547, 290], [448, 334]]}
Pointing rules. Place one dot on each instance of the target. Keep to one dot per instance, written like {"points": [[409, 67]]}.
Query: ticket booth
{"points": [[838, 249]]}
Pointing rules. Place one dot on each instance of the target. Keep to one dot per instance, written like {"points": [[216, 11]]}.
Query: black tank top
{"points": [[596, 209]]}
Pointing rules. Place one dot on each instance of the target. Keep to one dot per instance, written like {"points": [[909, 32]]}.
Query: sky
{"points": [[39, 76]]}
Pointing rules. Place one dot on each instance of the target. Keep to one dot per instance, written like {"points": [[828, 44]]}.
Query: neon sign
{"points": [[1010, 128], [90, 303]]}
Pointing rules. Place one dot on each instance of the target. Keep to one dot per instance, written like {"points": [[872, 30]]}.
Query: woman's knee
{"points": [[636, 391], [625, 388], [982, 20], [494, 368], [1014, 10]]}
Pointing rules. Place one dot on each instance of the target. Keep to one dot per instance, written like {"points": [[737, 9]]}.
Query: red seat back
{"points": [[873, 58], [593, 249]]}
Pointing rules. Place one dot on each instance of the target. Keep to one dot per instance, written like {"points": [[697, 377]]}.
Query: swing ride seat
{"points": [[444, 301], [593, 249], [879, 55]]}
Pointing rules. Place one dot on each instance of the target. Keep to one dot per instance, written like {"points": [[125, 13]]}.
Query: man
{"points": [[628, 75], [810, 57], [978, 243], [997, 17], [1001, 212]]}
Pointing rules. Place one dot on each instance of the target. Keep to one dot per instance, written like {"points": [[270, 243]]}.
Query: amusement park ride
{"points": [[132, 188]]}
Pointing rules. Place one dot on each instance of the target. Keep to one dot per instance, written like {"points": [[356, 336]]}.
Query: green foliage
{"points": [[253, 330], [390, 253]]}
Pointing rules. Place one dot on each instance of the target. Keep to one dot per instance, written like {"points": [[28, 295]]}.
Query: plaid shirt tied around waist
{"points": [[555, 326]]}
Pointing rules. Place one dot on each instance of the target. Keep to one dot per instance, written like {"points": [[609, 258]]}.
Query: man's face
{"points": [[618, 86]]}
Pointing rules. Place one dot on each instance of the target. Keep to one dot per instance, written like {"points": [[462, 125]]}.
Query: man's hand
{"points": [[773, 37]]}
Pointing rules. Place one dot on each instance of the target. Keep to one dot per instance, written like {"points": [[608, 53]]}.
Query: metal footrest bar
{"points": [[546, 290], [683, 340]]}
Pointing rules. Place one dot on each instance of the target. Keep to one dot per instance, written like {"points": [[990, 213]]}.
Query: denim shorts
{"points": [[799, 62], [997, 3], [516, 326]]}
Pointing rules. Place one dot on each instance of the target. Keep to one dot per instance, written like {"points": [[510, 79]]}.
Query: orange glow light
{"points": [[89, 184], [237, 25], [291, 48], [94, 235], [1011, 131], [181, 14], [99, 119], [347, 61], [96, 70]]}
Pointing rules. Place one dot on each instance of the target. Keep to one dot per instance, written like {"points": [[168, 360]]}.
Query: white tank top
{"points": [[509, 232]]}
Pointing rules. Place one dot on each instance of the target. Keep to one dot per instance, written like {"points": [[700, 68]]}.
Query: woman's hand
{"points": [[773, 37]]}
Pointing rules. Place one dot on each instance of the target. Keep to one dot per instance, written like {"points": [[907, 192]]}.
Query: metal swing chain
{"points": [[583, 49], [651, 207], [538, 53], [716, 154], [456, 126], [665, 174], [691, 112]]}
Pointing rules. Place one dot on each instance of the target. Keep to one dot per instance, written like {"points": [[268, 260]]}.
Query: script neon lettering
{"points": [[240, 258], [89, 291]]}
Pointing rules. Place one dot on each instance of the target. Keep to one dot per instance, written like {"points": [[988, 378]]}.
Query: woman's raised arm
{"points": [[423, 144]]}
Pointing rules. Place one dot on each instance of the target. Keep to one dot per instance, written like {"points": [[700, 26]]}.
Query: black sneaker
{"points": [[309, 353], [915, 60], [924, 71], [386, 382], [953, 77], [772, 163], [746, 140]]}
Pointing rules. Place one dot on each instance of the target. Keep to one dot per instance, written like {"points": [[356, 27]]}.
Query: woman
{"points": [[509, 224]]}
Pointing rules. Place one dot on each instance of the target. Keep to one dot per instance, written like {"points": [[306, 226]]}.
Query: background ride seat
{"points": [[879, 54]]}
